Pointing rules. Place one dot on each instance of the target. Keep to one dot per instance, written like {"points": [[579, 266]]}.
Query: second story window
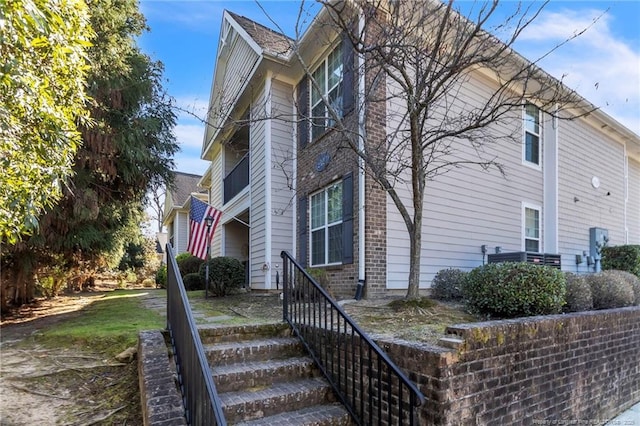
{"points": [[328, 76], [532, 134]]}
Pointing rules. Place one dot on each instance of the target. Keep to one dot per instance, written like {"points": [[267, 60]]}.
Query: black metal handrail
{"points": [[201, 401], [369, 384], [237, 179]]}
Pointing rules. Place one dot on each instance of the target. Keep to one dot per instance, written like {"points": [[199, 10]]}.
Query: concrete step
{"points": [[212, 333], [238, 376], [260, 402], [252, 350], [317, 415]]}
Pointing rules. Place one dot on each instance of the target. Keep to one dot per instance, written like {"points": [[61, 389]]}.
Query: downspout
{"points": [[294, 179], [266, 267], [361, 166]]}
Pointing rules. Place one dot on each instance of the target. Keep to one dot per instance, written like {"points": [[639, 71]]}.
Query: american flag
{"points": [[198, 243]]}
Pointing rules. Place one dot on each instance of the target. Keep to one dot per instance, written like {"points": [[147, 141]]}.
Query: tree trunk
{"points": [[413, 291]]}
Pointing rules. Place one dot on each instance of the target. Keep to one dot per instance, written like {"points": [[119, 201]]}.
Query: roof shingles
{"points": [[272, 42], [183, 186]]}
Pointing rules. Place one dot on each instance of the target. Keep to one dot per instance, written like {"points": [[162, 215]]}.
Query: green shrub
{"points": [[622, 258], [161, 277], [225, 275], [509, 290], [578, 297], [633, 281], [447, 284], [193, 282], [610, 290], [183, 256], [188, 264]]}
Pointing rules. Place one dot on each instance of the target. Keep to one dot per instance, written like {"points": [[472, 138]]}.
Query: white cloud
{"points": [[198, 15], [601, 67], [190, 164], [192, 108], [189, 135]]}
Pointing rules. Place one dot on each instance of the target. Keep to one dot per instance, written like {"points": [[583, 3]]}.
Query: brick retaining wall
{"points": [[160, 398], [581, 368]]}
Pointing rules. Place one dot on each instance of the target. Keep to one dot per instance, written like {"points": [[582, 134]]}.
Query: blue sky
{"points": [[603, 64]]}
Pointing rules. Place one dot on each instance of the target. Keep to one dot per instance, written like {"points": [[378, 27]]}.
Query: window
{"points": [[328, 76], [532, 229], [326, 226], [532, 134]]}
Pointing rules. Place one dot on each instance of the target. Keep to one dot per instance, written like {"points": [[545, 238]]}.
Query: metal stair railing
{"points": [[201, 401], [371, 387]]}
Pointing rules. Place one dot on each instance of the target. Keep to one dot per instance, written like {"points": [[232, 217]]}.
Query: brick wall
{"points": [[582, 368], [159, 396], [342, 278]]}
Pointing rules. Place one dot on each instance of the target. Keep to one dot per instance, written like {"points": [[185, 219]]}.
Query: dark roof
{"points": [[271, 41], [183, 185]]}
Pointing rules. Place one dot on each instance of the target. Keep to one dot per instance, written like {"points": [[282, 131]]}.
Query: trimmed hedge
{"points": [[578, 297], [622, 258], [193, 282], [610, 290], [509, 290], [188, 264], [226, 274], [447, 284]]}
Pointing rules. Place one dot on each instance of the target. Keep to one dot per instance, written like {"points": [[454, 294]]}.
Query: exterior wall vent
{"points": [[553, 260]]}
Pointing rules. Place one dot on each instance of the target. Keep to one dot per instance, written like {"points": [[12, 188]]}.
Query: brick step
{"points": [[253, 350], [317, 415], [260, 402], [238, 376], [224, 333]]}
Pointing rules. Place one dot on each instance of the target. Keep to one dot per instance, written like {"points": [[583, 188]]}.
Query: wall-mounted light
{"points": [[498, 249], [576, 199]]}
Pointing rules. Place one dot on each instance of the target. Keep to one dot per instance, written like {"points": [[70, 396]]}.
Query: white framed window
{"points": [[531, 228], [328, 76], [326, 225], [532, 146]]}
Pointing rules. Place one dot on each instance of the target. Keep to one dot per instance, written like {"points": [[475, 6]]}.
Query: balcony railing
{"points": [[237, 179]]}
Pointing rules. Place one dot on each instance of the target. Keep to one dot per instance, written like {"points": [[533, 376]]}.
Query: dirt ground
{"points": [[73, 387], [68, 386]]}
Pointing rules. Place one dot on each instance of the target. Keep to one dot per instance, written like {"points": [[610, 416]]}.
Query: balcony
{"points": [[237, 179]]}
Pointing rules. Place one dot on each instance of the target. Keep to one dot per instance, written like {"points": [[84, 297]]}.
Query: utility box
{"points": [[598, 238], [547, 259]]}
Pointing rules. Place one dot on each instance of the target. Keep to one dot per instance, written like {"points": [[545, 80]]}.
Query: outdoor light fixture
{"points": [[208, 221]]}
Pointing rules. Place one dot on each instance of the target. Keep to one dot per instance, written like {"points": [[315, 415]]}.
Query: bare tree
{"points": [[418, 59], [155, 199]]}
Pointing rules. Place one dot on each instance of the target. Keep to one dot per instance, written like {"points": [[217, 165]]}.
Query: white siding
{"points": [[282, 156], [633, 203], [466, 207], [257, 184], [234, 66], [182, 231], [585, 152], [216, 199]]}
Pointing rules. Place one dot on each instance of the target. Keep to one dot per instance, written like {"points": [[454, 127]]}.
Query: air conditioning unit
{"points": [[546, 259]]}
